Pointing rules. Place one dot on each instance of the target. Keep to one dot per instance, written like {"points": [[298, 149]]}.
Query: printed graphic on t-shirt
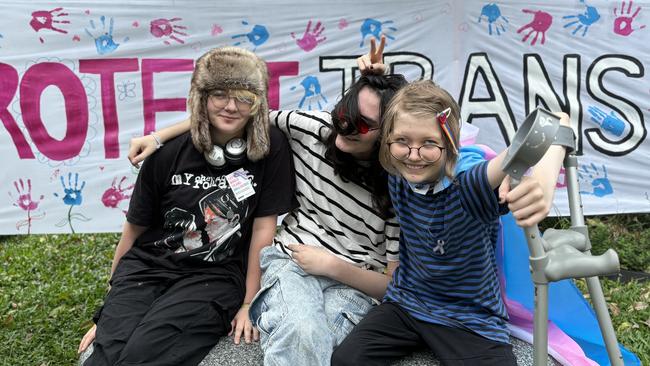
{"points": [[214, 240], [222, 214], [178, 223]]}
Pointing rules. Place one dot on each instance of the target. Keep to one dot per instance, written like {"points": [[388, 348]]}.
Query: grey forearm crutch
{"points": [[560, 254]]}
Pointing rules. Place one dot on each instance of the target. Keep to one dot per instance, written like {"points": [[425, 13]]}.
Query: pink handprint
{"points": [[26, 203], [216, 30], [623, 23], [540, 24], [311, 38], [116, 194], [44, 19], [162, 27]]}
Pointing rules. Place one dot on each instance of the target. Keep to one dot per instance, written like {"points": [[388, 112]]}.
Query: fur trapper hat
{"points": [[230, 68]]}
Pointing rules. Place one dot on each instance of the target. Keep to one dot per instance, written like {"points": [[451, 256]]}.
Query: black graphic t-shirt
{"points": [[199, 216]]}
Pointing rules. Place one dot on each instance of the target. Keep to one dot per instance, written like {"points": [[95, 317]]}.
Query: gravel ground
{"points": [[226, 353]]}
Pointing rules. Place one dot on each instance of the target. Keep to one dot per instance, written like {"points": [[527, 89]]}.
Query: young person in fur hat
{"points": [[334, 254], [187, 263]]}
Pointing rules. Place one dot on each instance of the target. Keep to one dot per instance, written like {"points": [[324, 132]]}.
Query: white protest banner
{"points": [[79, 79]]}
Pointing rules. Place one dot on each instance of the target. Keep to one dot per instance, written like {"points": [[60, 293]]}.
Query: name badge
{"points": [[240, 185]]}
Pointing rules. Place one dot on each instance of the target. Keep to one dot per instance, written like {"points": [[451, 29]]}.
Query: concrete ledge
{"points": [[226, 353]]}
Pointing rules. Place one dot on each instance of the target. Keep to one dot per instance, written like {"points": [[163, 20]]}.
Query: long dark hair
{"points": [[371, 175]]}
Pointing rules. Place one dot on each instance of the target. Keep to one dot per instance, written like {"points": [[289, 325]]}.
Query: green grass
{"points": [[50, 285], [629, 235], [628, 307]]}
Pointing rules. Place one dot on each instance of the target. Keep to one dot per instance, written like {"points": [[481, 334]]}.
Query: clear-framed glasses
{"points": [[244, 100], [429, 153]]}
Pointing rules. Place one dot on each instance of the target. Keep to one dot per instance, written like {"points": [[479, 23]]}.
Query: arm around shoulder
{"points": [[142, 147]]}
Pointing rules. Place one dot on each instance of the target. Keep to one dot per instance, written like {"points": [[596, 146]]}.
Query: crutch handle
{"points": [[566, 261]]}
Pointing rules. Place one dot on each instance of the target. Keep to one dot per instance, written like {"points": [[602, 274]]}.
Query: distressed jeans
{"points": [[302, 317]]}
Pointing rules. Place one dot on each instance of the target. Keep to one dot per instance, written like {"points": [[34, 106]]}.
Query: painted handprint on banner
{"points": [[495, 19], [104, 42], [72, 197], [116, 193], [167, 29], [375, 28], [608, 122], [599, 183], [539, 25], [49, 20], [216, 30], [584, 20], [257, 36], [26, 203], [310, 38], [313, 95], [623, 21]]}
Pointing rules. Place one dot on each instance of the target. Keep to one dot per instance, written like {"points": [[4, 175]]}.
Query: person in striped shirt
{"points": [[445, 294]]}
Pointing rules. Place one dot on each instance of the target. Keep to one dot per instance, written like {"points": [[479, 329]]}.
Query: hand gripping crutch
{"points": [[560, 254]]}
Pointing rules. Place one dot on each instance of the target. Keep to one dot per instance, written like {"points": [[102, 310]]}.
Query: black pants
{"points": [[388, 333], [157, 316]]}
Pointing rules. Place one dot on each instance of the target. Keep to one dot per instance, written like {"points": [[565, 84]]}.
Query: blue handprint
{"points": [[600, 184], [586, 19], [257, 36], [374, 28], [72, 197], [104, 43], [608, 122], [313, 94], [494, 17]]}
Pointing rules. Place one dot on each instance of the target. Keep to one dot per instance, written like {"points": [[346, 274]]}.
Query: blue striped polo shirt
{"points": [[448, 269]]}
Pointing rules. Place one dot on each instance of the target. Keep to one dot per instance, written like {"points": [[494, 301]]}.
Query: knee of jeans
{"points": [[307, 331]]}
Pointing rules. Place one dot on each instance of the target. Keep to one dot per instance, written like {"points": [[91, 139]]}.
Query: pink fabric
{"points": [[560, 346]]}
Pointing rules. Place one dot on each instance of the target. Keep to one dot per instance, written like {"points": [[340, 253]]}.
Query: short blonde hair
{"points": [[421, 98]]}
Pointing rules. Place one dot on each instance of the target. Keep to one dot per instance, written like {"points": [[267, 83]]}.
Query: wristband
{"points": [[246, 305], [155, 137]]}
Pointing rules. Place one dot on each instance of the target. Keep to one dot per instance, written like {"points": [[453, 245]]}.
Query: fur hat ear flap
{"points": [[199, 129], [257, 134]]}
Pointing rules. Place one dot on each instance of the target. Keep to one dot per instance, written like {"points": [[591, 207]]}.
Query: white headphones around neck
{"points": [[234, 153]]}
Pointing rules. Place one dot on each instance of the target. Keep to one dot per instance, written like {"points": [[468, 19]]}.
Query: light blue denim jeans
{"points": [[301, 317]]}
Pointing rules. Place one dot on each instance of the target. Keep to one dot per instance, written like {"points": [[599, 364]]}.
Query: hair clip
{"points": [[442, 119]]}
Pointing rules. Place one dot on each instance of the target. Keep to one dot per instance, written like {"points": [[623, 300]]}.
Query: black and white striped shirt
{"points": [[332, 213]]}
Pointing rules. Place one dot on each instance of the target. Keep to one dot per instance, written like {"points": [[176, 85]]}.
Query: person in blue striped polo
{"points": [[445, 294]]}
